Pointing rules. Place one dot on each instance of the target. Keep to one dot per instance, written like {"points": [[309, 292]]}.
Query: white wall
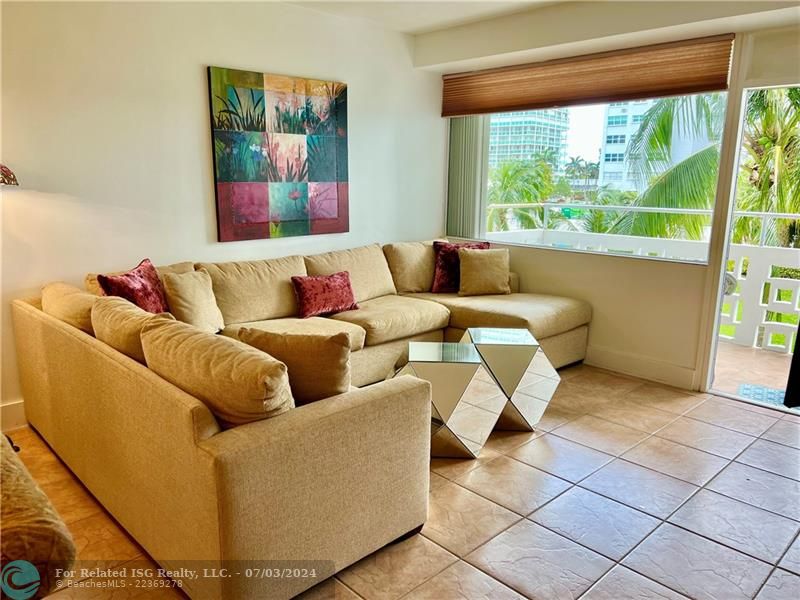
{"points": [[105, 122], [646, 313]]}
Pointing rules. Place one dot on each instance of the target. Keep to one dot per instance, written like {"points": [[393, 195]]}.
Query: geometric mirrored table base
{"points": [[496, 378], [463, 411], [516, 363]]}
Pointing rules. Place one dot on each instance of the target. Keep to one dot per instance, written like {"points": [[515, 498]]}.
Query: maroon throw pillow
{"points": [[324, 294], [447, 270], [140, 285]]}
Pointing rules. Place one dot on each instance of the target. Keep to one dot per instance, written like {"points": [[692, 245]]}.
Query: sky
{"points": [[585, 134]]}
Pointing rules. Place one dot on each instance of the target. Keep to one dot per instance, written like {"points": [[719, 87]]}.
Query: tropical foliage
{"points": [[519, 182], [674, 156]]}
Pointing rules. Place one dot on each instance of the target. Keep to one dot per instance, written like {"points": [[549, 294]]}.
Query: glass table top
{"points": [[443, 352], [500, 335]]}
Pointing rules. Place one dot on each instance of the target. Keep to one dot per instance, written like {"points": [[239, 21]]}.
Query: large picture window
{"points": [[574, 178], [614, 152]]}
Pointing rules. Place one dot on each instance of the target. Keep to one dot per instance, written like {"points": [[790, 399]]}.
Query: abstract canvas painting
{"points": [[280, 154]]}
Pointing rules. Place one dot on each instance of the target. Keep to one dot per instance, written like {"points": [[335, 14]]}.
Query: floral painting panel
{"points": [[322, 157], [280, 154], [243, 210], [289, 202], [323, 201], [239, 156], [286, 155]]}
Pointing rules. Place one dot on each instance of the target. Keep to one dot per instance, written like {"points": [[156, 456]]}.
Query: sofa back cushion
{"points": [[411, 264], [319, 364], [69, 304], [238, 383], [255, 290], [369, 272], [191, 299], [92, 285], [119, 324]]}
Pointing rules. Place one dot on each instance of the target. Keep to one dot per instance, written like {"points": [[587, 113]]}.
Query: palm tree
{"points": [[769, 171], [596, 221], [769, 175], [688, 183], [518, 182], [592, 171], [574, 167]]}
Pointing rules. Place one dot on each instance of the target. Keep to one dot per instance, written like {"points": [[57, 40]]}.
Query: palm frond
{"points": [[690, 183]]}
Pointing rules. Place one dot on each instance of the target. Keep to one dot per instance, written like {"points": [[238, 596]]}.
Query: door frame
{"points": [[724, 207]]}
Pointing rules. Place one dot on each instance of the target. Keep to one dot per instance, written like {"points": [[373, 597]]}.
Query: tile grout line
{"points": [[464, 558], [572, 485], [666, 520], [681, 505], [775, 565], [336, 577]]}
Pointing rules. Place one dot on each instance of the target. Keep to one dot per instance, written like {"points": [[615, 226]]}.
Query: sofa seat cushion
{"points": [[394, 317], [542, 315], [312, 325]]}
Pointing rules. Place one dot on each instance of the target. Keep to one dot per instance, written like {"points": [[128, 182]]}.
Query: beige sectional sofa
{"points": [[330, 481], [392, 287]]}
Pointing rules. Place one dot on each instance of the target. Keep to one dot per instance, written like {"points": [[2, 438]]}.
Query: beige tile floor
{"points": [[628, 490]]}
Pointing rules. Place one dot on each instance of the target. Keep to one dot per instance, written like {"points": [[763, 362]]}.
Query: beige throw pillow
{"points": [[191, 299], [69, 304], [238, 383], [119, 324], [484, 272], [411, 264], [319, 364]]}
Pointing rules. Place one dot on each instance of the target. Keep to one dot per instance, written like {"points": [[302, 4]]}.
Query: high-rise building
{"points": [[520, 135], [622, 122]]}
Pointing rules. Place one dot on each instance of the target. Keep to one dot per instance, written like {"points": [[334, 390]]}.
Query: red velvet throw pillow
{"points": [[447, 270], [140, 285], [324, 294]]}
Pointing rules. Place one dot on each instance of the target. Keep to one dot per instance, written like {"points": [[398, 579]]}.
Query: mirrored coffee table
{"points": [[515, 361], [464, 407]]}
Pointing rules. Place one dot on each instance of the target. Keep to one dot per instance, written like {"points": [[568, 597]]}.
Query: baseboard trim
{"points": [[637, 365], [12, 415]]}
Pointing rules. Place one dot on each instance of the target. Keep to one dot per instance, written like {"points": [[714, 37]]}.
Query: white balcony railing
{"points": [[761, 310]]}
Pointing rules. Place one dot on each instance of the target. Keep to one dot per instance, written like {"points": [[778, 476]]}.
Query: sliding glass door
{"points": [[758, 325]]}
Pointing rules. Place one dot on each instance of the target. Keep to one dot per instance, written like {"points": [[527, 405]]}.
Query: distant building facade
{"points": [[622, 120], [522, 134]]}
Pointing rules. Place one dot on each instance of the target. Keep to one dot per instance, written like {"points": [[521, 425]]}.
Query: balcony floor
{"points": [[737, 365]]}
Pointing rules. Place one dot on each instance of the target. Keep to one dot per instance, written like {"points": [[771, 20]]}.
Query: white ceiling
{"points": [[420, 17]]}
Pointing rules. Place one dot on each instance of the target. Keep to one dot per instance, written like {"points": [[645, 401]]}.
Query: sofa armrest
{"points": [[330, 481]]}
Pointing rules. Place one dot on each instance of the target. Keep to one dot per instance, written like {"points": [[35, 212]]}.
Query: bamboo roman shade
{"points": [[686, 67]]}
